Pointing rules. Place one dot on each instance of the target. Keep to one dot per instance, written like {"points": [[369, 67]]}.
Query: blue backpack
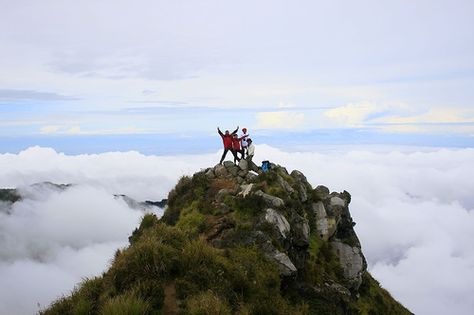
{"points": [[266, 166]]}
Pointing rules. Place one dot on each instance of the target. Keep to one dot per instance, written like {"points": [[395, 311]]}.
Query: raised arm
{"points": [[220, 132], [236, 130]]}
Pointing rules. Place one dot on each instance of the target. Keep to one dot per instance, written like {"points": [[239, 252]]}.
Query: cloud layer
{"points": [[413, 208], [52, 239]]}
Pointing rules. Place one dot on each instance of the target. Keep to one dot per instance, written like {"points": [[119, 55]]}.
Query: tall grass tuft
{"points": [[126, 304], [207, 303]]}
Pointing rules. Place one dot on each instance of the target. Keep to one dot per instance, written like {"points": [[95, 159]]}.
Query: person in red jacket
{"points": [[239, 144], [227, 140], [236, 147]]}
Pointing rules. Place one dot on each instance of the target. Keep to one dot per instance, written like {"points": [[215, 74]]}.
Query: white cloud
{"points": [[280, 120], [52, 239], [414, 211], [433, 115], [361, 113], [402, 117], [351, 115], [74, 130], [50, 129], [439, 119], [60, 129], [77, 130]]}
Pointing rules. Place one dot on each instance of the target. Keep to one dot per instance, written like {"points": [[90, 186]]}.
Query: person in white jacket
{"points": [[243, 142], [250, 154]]}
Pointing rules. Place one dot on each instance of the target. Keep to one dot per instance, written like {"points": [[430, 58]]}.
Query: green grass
{"points": [[148, 221], [125, 305], [189, 192], [247, 208], [207, 303], [191, 221], [322, 264]]}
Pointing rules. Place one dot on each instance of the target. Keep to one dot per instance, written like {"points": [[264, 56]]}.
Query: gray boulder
{"points": [[321, 192], [279, 221], [303, 192], [300, 228], [285, 266], [272, 200], [336, 201], [251, 176], [352, 262], [325, 226], [210, 174], [242, 173], [228, 164], [302, 184], [319, 210], [243, 164], [233, 170], [220, 171], [284, 184], [299, 176]]}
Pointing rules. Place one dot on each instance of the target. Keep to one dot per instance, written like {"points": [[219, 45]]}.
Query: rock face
{"points": [[279, 221], [325, 225], [318, 209], [271, 200], [285, 265], [233, 241], [243, 165], [321, 192], [352, 261]]}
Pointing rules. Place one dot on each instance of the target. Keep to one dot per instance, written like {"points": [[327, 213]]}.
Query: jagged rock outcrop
{"points": [[271, 200], [279, 221], [352, 261], [329, 213], [235, 241]]}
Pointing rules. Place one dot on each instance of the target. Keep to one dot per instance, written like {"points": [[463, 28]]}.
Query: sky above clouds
{"points": [[155, 67], [414, 211]]}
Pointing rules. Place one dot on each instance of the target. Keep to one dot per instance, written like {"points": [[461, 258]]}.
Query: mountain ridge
{"points": [[234, 241]]}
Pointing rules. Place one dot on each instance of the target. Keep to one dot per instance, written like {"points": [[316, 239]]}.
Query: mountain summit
{"points": [[234, 241]]}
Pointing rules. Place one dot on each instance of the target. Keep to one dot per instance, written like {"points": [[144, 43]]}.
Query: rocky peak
{"points": [[238, 241], [291, 212]]}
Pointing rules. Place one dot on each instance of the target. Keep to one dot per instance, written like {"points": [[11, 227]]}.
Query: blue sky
{"points": [[79, 74]]}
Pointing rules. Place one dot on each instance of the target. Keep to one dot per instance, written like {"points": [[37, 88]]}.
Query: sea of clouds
{"points": [[414, 211]]}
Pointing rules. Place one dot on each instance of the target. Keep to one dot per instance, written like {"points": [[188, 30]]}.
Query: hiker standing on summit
{"points": [[250, 154], [236, 146], [243, 142], [227, 141]]}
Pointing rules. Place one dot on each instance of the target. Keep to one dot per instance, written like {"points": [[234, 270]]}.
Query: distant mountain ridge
{"points": [[8, 196], [233, 241]]}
